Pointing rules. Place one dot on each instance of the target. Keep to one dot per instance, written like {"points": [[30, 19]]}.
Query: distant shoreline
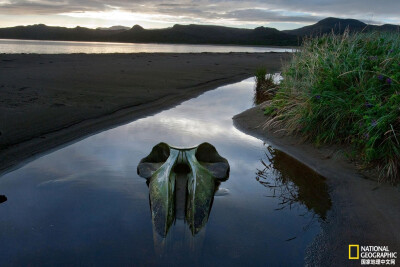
{"points": [[116, 42], [22, 46]]}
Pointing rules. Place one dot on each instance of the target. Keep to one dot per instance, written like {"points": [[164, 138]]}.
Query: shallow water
{"points": [[12, 46], [86, 205]]}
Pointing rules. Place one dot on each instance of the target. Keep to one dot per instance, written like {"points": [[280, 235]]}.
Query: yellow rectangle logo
{"points": [[354, 257]]}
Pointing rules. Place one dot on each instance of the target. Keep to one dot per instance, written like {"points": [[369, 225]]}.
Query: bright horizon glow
{"points": [[118, 17], [95, 19]]}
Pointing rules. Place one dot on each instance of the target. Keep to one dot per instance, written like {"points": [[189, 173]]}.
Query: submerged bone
{"points": [[147, 169], [157, 157], [202, 166], [162, 195], [208, 156]]}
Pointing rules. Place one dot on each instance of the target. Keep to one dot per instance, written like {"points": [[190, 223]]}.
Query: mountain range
{"points": [[192, 34]]}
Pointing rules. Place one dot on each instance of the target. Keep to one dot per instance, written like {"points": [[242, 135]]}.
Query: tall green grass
{"points": [[345, 89], [260, 75]]}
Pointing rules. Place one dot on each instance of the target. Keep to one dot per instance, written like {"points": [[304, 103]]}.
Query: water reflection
{"points": [[294, 183], [10, 46]]}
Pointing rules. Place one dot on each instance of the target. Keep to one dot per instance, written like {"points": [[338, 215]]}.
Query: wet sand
{"points": [[50, 100], [364, 212]]}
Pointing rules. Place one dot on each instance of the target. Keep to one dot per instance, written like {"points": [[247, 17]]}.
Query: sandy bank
{"points": [[49, 100], [363, 212]]}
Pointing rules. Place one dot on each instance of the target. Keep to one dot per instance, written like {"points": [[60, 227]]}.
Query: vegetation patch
{"points": [[344, 89], [266, 86]]}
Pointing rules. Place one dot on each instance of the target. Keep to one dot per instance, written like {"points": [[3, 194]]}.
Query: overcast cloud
{"points": [[244, 13]]}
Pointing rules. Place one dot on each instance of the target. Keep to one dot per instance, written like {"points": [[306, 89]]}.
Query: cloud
{"points": [[262, 15], [218, 11]]}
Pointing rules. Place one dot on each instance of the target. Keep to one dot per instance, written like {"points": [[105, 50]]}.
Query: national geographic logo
{"points": [[354, 252], [372, 255]]}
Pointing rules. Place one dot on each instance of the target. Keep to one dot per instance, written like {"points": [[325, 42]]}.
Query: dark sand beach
{"points": [[363, 211], [49, 100]]}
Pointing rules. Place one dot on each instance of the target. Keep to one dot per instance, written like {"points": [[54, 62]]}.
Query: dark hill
{"points": [[43, 32], [113, 28], [205, 34], [184, 34], [191, 34], [339, 26]]}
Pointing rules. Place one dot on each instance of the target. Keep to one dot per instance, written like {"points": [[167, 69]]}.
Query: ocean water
{"points": [[12, 46]]}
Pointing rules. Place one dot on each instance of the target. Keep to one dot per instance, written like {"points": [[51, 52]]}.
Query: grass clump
{"points": [[264, 81], [266, 86], [260, 74], [345, 89]]}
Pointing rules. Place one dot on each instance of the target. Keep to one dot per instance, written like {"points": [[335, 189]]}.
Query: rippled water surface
{"points": [[86, 205], [11, 46]]}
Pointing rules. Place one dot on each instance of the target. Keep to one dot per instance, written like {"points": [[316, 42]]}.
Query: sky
{"points": [[280, 14]]}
